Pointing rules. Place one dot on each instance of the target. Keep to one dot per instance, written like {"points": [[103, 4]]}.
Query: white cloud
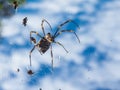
{"points": [[103, 33]]}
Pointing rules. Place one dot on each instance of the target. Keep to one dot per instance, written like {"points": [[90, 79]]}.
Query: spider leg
{"points": [[30, 55], [31, 32], [51, 56], [59, 27], [33, 39], [68, 31], [43, 26], [61, 45]]}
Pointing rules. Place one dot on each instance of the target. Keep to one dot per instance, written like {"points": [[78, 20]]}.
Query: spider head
{"points": [[49, 37]]}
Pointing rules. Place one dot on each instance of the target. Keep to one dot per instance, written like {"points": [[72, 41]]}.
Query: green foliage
{"points": [[7, 10], [1, 6], [20, 2], [7, 7]]}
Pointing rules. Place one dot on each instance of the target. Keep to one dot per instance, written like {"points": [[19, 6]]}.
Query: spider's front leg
{"points": [[43, 26]]}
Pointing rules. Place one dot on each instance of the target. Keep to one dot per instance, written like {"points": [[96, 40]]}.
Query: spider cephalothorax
{"points": [[49, 38], [45, 42]]}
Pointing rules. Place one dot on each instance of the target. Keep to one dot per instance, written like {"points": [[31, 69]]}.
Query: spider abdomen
{"points": [[44, 45]]}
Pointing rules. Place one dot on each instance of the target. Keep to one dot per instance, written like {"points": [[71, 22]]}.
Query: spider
{"points": [[47, 39]]}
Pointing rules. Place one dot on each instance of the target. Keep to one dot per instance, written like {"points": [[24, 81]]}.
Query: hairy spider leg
{"points": [[34, 41], [43, 26], [61, 45], [59, 27], [68, 31], [51, 56]]}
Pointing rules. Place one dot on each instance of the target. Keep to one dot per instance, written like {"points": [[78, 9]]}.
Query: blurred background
{"points": [[92, 64]]}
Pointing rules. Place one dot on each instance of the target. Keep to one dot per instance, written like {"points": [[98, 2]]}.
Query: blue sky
{"points": [[91, 65]]}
